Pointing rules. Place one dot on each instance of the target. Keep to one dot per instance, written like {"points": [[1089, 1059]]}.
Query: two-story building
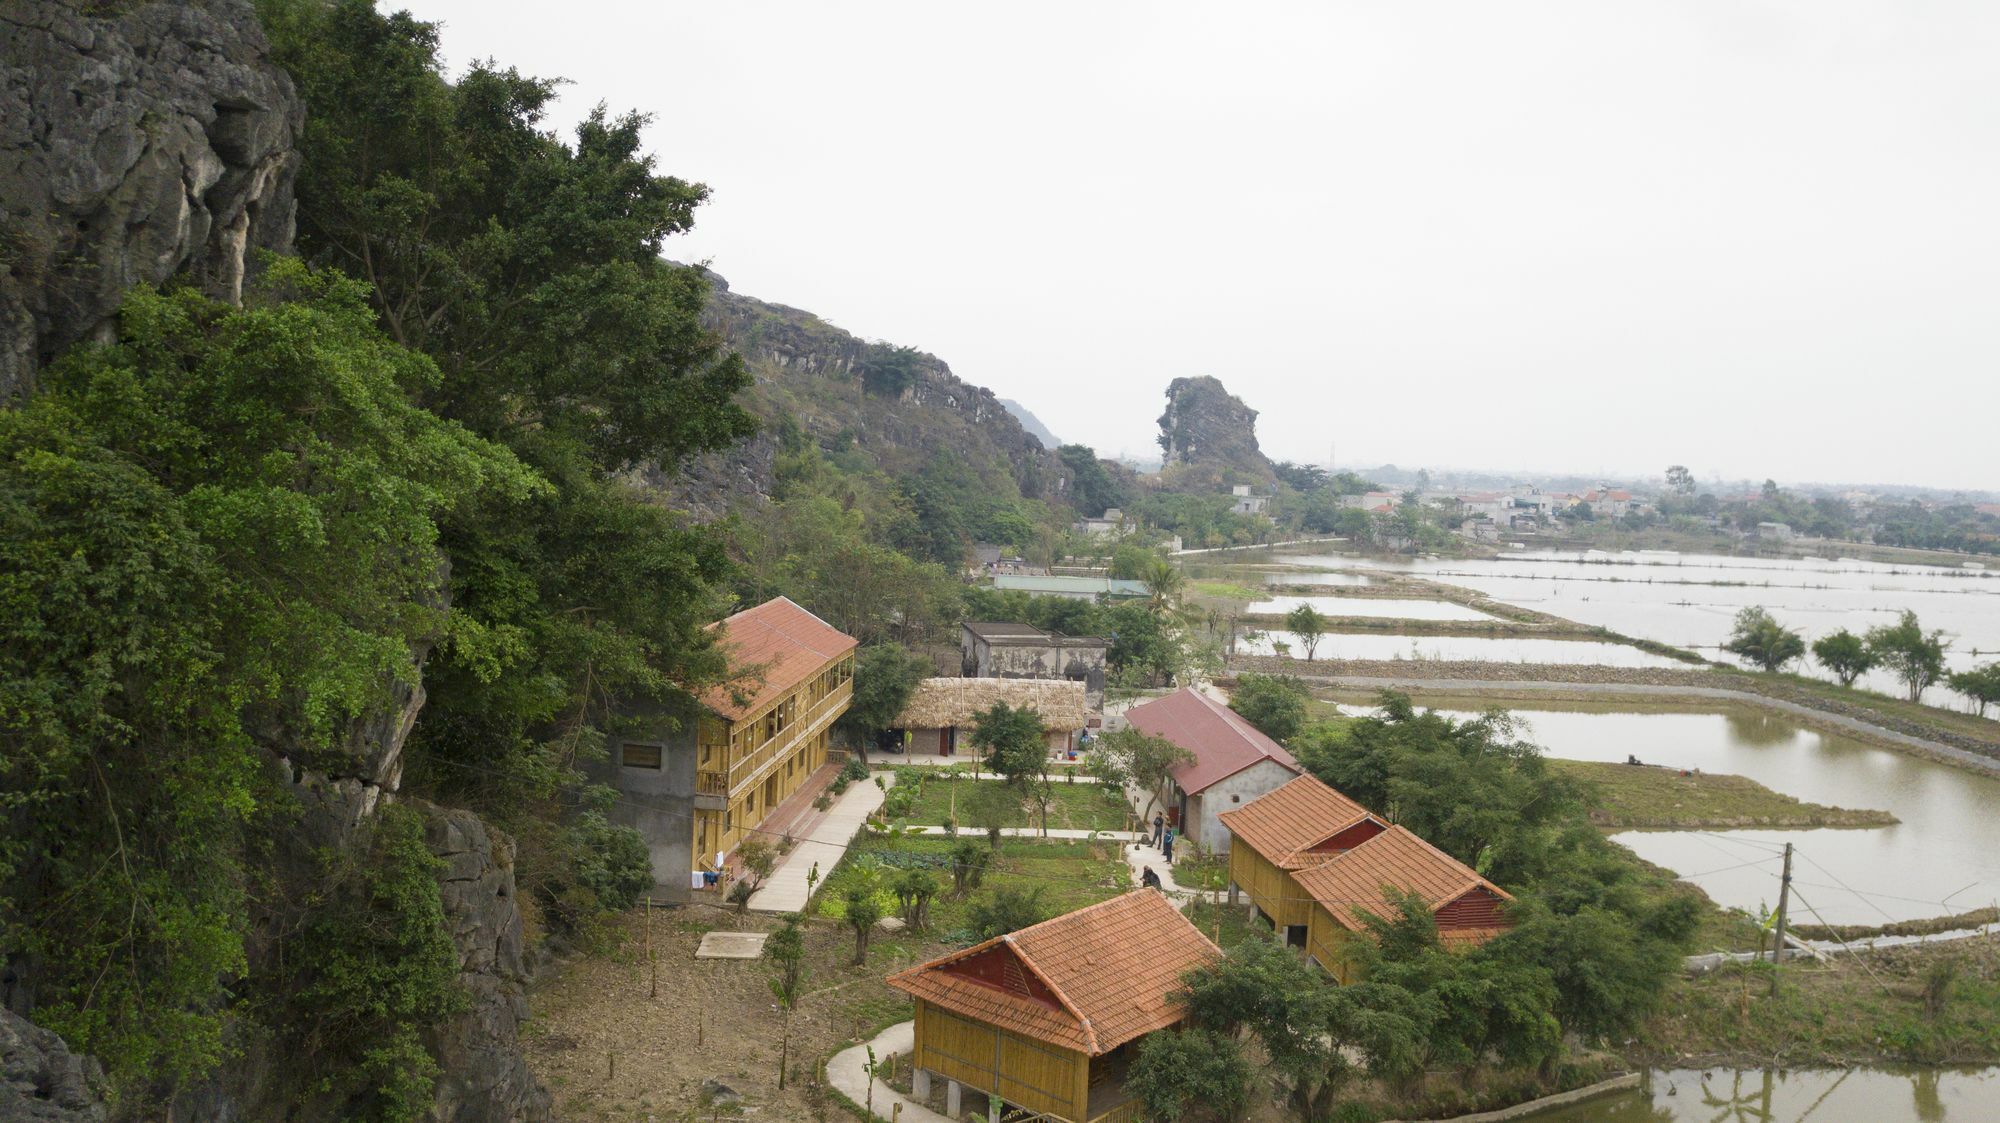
{"points": [[1004, 650], [697, 788]]}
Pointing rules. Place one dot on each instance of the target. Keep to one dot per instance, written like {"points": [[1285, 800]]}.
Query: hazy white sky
{"points": [[1755, 238]]}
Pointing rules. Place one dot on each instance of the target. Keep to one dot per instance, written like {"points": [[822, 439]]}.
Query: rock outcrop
{"points": [[1208, 431], [137, 141], [485, 1075], [808, 374], [41, 1081]]}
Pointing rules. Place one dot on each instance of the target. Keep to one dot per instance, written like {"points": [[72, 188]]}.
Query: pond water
{"points": [[1691, 600], [1372, 606], [1854, 1095], [1342, 645], [1318, 579], [1943, 858]]}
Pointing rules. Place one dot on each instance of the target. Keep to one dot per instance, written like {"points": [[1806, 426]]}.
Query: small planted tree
{"points": [[914, 890], [1007, 910], [1306, 622], [1012, 740], [1759, 638], [1148, 760], [1982, 686], [1914, 656], [968, 865], [1845, 655], [785, 949], [863, 910], [1190, 1073]]}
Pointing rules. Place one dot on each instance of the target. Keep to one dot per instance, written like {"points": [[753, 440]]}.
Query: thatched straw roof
{"points": [[940, 702]]}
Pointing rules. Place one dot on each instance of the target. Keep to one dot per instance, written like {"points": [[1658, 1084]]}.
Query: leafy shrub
{"points": [[609, 860], [1007, 910]]}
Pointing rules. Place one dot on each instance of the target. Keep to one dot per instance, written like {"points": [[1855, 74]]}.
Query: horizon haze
{"points": [[1754, 239]]}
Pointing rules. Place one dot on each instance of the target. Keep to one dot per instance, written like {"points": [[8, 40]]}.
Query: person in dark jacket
{"points": [[1149, 879], [1167, 845], [1159, 825]]}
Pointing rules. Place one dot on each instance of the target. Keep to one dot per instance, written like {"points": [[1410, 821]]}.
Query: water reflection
{"points": [[1942, 858], [1855, 1095]]}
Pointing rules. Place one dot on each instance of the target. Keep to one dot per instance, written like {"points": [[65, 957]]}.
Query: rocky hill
{"points": [[146, 141], [899, 406], [1208, 436], [1031, 423]]}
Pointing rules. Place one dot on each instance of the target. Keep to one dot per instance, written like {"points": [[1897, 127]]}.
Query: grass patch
{"points": [[1649, 796], [1936, 1003], [1227, 926], [1207, 871], [1227, 590], [1069, 875], [1083, 805]]}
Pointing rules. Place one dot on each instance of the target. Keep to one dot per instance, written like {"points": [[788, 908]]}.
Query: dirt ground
{"points": [[608, 1050]]}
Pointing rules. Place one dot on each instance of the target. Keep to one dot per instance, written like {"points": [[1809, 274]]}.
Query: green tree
{"points": [[219, 541], [1165, 582], [914, 891], [1981, 685], [1306, 623], [863, 910], [1012, 740], [785, 949], [1149, 761], [885, 675], [1190, 1074], [1275, 704], [1680, 481], [1758, 638], [1845, 654], [1005, 910], [968, 865], [1914, 656], [1093, 490]]}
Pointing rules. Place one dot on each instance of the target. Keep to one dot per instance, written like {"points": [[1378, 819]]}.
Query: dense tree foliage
{"points": [[1758, 638], [1982, 685], [222, 542], [1093, 489], [1904, 649], [1844, 654], [884, 677], [1275, 704]]}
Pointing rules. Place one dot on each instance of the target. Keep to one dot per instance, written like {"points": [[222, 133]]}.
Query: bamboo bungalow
{"points": [[698, 791], [1049, 1017], [941, 711], [1284, 832], [1467, 907]]}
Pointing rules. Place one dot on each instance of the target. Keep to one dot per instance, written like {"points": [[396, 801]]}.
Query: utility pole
{"points": [[1784, 896]]}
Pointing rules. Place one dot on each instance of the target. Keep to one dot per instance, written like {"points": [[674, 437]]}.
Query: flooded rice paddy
{"points": [[1342, 645], [1851, 1095], [1379, 607]]}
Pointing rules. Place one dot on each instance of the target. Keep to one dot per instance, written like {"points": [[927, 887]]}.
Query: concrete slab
{"points": [[732, 945]]}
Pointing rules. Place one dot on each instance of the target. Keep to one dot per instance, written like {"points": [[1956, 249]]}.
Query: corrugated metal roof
{"points": [[780, 641], [1101, 586], [1281, 823], [1222, 742], [1354, 881], [1111, 966]]}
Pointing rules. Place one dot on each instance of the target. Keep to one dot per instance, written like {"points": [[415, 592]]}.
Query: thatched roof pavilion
{"points": [[941, 703]]}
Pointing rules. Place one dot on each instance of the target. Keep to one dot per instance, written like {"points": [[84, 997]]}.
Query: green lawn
{"points": [[1069, 875], [1227, 926], [1083, 805], [1207, 872]]}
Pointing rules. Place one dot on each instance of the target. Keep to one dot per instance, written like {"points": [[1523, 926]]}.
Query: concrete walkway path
{"points": [[1036, 832], [847, 1071], [1141, 856], [785, 890]]}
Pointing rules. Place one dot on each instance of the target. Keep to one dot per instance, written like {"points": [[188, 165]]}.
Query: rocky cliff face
{"points": [[808, 374], [41, 1081], [1206, 430], [146, 141], [137, 141]]}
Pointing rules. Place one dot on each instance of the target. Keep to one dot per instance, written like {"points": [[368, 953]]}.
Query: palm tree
{"points": [[1164, 585]]}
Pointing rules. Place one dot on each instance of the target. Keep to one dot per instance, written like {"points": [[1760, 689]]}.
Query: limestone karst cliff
{"points": [[1207, 430], [137, 142]]}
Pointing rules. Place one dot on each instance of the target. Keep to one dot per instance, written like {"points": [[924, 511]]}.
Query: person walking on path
{"points": [[1159, 824], [1167, 845]]}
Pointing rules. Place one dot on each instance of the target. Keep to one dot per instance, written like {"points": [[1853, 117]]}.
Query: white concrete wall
{"points": [[1228, 793]]}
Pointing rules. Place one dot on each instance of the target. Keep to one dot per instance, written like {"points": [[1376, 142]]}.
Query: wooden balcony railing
{"points": [[753, 766], [711, 783]]}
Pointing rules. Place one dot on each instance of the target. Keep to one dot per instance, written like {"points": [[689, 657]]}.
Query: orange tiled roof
{"points": [[1353, 882], [780, 640], [1110, 967], [1223, 741], [1283, 822]]}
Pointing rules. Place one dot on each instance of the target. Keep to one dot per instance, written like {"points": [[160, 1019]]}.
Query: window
{"points": [[750, 803], [634, 754]]}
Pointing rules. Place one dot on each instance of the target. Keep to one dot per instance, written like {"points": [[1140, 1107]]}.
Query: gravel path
{"points": [[1841, 722]]}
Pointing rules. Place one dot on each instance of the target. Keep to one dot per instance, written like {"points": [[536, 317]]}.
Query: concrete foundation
{"points": [[953, 1094], [920, 1084]]}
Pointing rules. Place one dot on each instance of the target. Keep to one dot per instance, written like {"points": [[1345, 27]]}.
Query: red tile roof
{"points": [[780, 643], [1222, 742], [1282, 823], [1354, 881], [1110, 968]]}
